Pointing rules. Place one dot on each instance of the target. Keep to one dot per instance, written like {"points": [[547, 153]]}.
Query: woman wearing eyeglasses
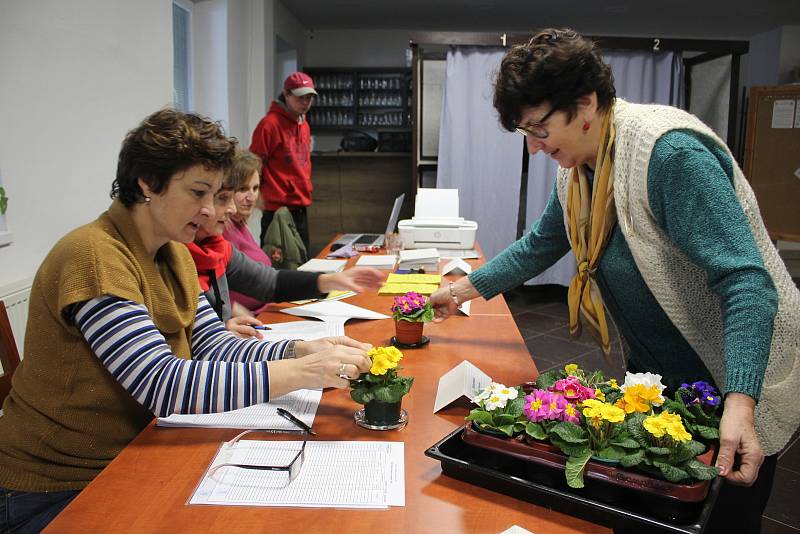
{"points": [[668, 241], [119, 331]]}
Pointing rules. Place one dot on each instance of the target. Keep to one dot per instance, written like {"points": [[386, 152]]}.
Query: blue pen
{"points": [[260, 327]]}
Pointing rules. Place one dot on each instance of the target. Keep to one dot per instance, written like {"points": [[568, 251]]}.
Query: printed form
{"points": [[333, 474], [302, 403]]}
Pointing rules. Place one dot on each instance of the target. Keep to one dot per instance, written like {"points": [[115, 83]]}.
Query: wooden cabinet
{"points": [[369, 98], [354, 192]]}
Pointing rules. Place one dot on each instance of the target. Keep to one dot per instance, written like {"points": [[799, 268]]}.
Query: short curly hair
{"points": [[165, 143], [558, 66], [245, 163]]}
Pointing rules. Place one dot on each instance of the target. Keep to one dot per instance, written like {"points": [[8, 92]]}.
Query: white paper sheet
{"points": [[323, 266], [379, 261], [471, 254], [305, 330], [334, 311], [419, 255], [462, 380], [302, 403], [457, 266], [435, 203], [334, 474]]}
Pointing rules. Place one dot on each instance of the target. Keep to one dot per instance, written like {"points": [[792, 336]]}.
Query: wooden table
{"points": [[145, 489]]}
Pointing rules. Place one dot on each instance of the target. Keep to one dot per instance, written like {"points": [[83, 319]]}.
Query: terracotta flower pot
{"points": [[407, 332], [382, 413]]}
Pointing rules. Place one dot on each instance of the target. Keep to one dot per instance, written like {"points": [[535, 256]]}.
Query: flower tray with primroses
{"points": [[628, 434]]}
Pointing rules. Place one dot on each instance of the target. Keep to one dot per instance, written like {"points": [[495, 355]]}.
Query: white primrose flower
{"points": [[494, 402], [646, 379], [485, 393], [503, 391]]}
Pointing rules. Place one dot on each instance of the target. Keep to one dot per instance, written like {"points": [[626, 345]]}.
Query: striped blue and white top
{"points": [[225, 373]]}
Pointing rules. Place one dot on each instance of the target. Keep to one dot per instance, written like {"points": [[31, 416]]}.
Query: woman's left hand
{"points": [[356, 279], [737, 436], [304, 348]]}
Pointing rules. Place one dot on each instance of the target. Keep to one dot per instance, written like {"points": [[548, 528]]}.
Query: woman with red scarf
{"points": [[223, 268]]}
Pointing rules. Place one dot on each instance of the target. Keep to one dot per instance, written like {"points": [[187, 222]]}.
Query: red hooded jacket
{"points": [[284, 146]]}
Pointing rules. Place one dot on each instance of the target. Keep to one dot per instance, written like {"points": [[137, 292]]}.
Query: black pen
{"points": [[260, 327], [287, 415]]}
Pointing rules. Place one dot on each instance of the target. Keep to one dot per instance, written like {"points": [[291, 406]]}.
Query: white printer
{"points": [[436, 223]]}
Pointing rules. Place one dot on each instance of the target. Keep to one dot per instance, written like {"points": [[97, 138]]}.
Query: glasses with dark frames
{"points": [[537, 129], [292, 468]]}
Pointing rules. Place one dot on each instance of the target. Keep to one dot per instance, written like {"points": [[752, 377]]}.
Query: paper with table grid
{"points": [[334, 474]]}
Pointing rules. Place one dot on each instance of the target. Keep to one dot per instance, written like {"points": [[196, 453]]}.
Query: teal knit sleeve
{"points": [[527, 257], [691, 195]]}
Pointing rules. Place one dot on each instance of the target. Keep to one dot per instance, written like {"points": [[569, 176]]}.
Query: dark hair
{"points": [[167, 142], [557, 66], [244, 164]]}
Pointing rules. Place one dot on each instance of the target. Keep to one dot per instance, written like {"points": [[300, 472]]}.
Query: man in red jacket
{"points": [[283, 141]]}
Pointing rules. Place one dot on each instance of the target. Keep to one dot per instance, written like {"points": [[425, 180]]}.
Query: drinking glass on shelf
{"points": [[392, 243]]}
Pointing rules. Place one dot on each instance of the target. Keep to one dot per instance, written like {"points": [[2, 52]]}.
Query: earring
{"points": [[146, 200], [586, 127]]}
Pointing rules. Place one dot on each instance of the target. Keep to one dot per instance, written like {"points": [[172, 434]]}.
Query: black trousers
{"points": [[300, 217]]}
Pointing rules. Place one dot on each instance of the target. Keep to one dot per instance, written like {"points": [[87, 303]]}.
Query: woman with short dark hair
{"points": [[668, 239], [118, 330]]}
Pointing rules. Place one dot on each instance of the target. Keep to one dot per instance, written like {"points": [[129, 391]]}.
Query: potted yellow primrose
{"points": [[381, 391]]}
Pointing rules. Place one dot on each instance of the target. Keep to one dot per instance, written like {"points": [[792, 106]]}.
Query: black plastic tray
{"points": [[621, 510]]}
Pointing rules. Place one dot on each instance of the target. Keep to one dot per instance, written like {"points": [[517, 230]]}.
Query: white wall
{"points": [[76, 76], [790, 55], [289, 30]]}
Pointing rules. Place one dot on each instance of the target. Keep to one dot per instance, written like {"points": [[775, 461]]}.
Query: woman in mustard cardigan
{"points": [[118, 330]]}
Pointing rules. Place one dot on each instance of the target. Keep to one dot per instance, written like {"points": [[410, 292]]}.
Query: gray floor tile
{"points": [[530, 323], [554, 349], [584, 339], [556, 309], [790, 458], [782, 505], [768, 526]]}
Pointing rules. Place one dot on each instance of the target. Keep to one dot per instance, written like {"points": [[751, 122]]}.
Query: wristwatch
{"points": [[290, 353]]}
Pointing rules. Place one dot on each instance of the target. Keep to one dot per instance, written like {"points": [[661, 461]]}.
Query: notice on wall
{"points": [[797, 114], [783, 113]]}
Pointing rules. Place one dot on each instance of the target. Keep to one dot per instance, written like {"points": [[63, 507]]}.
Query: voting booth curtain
{"points": [[476, 155]]}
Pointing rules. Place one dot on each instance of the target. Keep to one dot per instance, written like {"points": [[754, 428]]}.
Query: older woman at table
{"points": [[222, 268], [118, 330], [667, 238]]}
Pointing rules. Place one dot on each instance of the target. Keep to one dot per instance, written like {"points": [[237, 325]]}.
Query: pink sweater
{"points": [[239, 234]]}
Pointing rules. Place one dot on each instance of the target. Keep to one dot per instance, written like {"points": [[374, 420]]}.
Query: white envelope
{"points": [[334, 311]]}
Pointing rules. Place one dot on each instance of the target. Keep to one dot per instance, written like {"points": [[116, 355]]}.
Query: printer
{"points": [[436, 223]]}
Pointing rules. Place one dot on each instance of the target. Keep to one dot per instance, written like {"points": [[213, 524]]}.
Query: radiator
{"points": [[16, 296]]}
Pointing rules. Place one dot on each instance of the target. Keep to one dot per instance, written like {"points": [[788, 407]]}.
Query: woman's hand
{"points": [[304, 348], [356, 279], [330, 367], [737, 436], [442, 299], [242, 326]]}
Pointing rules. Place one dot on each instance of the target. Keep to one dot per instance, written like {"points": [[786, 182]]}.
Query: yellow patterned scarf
{"points": [[591, 216]]}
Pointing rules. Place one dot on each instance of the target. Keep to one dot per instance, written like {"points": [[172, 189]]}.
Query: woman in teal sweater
{"points": [[661, 226]]}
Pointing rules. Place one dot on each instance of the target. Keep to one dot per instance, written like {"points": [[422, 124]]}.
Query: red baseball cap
{"points": [[299, 84]]}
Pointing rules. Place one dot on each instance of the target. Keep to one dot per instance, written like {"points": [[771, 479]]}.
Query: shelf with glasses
{"points": [[373, 98]]}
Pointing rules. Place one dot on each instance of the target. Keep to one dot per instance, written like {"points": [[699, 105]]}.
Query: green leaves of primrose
{"points": [[574, 469]]}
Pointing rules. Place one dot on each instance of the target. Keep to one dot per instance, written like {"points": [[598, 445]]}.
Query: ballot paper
{"points": [[333, 474], [323, 266], [462, 380], [378, 261], [302, 403], [333, 311], [305, 330], [457, 266]]}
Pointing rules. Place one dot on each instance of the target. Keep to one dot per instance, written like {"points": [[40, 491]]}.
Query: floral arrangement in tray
{"points": [[588, 417]]}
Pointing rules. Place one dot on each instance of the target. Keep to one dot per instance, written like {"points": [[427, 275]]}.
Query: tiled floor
{"points": [[542, 317]]}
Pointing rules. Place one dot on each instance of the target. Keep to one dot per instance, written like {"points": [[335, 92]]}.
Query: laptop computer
{"points": [[372, 239]]}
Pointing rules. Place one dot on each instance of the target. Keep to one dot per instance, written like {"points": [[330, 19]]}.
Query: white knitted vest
{"points": [[680, 286]]}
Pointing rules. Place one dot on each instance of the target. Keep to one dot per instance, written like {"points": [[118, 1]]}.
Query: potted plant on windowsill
{"points": [[381, 391], [410, 313]]}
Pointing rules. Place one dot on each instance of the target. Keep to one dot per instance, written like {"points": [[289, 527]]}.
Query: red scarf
{"points": [[211, 254]]}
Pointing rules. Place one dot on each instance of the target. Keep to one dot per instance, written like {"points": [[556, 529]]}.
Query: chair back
{"points": [[9, 356]]}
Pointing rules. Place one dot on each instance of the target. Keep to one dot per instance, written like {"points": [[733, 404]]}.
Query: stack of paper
{"points": [[302, 403], [379, 261], [333, 474], [323, 266], [400, 284], [427, 258]]}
